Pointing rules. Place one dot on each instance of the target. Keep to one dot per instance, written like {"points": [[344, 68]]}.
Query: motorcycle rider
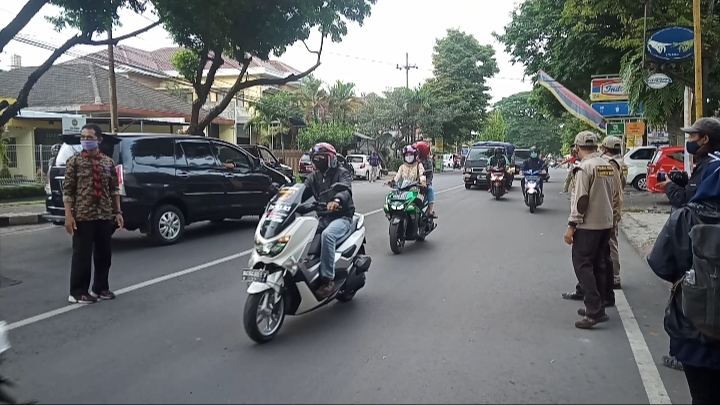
{"points": [[533, 163], [423, 153], [498, 159], [340, 205], [411, 169]]}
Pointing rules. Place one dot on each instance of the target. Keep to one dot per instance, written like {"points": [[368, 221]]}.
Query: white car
{"points": [[637, 160], [362, 167], [448, 160]]}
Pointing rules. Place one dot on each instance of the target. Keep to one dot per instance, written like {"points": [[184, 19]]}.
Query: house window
{"points": [[11, 156]]}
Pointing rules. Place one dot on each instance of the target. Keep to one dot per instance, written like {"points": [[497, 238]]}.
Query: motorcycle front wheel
{"points": [[263, 316], [532, 203], [397, 241]]}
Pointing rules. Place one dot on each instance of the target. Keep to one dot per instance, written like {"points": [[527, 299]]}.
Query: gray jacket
{"points": [[318, 183]]}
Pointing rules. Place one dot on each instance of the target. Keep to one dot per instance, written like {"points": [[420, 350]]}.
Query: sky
{"points": [[368, 56]]}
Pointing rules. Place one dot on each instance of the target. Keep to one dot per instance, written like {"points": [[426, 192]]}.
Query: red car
{"points": [[666, 158]]}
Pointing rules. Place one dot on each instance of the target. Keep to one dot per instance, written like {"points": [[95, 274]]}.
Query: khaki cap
{"points": [[612, 142], [586, 138]]}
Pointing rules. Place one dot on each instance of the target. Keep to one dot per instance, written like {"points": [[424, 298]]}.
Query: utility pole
{"points": [[407, 68], [699, 98], [114, 120]]}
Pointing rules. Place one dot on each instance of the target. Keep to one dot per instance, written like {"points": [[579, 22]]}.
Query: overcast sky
{"points": [[367, 56]]}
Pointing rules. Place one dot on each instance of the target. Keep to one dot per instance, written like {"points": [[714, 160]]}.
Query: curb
{"points": [[21, 219]]}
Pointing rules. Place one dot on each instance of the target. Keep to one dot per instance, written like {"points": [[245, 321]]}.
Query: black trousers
{"points": [[703, 384], [589, 251], [92, 244]]}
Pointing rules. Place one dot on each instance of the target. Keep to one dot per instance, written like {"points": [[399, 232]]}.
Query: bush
{"points": [[394, 164], [19, 192]]}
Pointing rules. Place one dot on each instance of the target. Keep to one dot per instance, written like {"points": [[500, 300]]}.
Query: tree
{"points": [[337, 134], [341, 101], [312, 98], [541, 36], [242, 30], [494, 128], [89, 17], [527, 126], [461, 67], [272, 115]]}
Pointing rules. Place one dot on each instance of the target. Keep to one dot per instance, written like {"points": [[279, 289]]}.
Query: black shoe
{"points": [[672, 362], [573, 296], [103, 295], [82, 299]]}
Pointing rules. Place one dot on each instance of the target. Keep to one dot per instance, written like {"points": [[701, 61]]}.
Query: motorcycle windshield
{"points": [[405, 184], [280, 211]]}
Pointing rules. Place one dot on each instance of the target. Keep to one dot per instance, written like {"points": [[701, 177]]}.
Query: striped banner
{"points": [[574, 104]]}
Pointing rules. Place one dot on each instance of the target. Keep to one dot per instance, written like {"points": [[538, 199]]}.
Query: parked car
{"points": [[637, 160], [361, 166], [520, 156], [305, 166], [267, 156], [170, 181], [665, 159]]}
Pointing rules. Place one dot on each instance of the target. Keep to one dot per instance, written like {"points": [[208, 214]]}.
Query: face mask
{"points": [[321, 164], [692, 147], [409, 159], [533, 155], [88, 145]]}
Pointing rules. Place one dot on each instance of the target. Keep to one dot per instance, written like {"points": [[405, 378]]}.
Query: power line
{"points": [[407, 68]]}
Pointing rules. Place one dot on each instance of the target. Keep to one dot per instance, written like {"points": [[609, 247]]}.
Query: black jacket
{"points": [[669, 259], [533, 164], [679, 196], [318, 183]]}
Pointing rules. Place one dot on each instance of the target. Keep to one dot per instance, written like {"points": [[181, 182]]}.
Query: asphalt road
{"points": [[473, 315]]}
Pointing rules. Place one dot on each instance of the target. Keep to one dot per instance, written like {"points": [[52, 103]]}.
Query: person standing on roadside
{"points": [[374, 161], [92, 210], [612, 151], [589, 227]]}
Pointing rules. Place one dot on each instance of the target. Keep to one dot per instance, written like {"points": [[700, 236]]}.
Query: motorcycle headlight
{"points": [[397, 205], [272, 248]]}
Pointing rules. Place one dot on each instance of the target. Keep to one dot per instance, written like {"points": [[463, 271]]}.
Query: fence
{"points": [[24, 164], [291, 157]]}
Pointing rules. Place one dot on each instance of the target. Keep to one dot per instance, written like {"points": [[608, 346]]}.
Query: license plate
{"points": [[254, 276]]}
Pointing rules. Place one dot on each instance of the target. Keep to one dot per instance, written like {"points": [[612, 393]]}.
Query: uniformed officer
{"points": [[612, 150], [590, 225]]}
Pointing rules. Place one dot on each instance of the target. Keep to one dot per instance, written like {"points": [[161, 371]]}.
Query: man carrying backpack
{"points": [[686, 254]]}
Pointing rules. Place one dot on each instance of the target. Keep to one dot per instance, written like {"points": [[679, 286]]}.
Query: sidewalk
{"points": [[21, 213], [642, 229]]}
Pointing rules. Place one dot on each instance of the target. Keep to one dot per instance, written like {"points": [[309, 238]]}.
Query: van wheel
{"points": [[168, 225], [640, 183]]}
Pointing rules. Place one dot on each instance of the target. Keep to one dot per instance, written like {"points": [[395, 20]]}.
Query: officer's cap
{"points": [[586, 138], [612, 142], [705, 126]]}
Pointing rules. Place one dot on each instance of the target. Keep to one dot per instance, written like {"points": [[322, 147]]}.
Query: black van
{"points": [[170, 181]]}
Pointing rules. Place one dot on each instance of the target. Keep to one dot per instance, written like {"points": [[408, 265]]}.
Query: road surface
{"points": [[473, 315]]}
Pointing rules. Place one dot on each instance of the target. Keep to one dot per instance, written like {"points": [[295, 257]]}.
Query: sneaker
{"points": [[573, 296], [103, 295], [589, 323], [82, 299], [326, 288], [672, 362]]}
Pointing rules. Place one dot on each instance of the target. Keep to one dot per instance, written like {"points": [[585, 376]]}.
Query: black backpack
{"points": [[701, 285]]}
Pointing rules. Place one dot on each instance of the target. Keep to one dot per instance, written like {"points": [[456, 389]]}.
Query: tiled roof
{"points": [[160, 60], [78, 84]]}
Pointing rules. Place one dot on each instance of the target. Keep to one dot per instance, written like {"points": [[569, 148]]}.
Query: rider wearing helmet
{"points": [[340, 205], [498, 159], [411, 169], [533, 163], [423, 154]]}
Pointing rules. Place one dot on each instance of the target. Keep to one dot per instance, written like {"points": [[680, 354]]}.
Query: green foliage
{"points": [[494, 128], [394, 164], [272, 115], [461, 67], [570, 128], [19, 192], [92, 16], [337, 134], [185, 61], [527, 126]]}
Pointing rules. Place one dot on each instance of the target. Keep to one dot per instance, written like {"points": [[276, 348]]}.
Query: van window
{"points": [[158, 152], [197, 154], [66, 152], [479, 154]]}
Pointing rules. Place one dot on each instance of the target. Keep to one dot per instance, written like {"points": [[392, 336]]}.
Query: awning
{"points": [[574, 104]]}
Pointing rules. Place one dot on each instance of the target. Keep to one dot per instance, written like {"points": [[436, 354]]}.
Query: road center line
{"points": [[55, 312], [653, 383]]}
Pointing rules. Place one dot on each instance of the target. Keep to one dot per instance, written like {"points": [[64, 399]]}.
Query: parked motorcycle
{"points": [[533, 195], [5, 397], [497, 182], [284, 269], [408, 215]]}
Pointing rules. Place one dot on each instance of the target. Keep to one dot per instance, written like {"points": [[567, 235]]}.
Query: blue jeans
{"points": [[335, 230], [430, 194]]}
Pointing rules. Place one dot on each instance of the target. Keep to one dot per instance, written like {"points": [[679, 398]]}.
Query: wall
{"points": [[22, 130], [227, 133]]}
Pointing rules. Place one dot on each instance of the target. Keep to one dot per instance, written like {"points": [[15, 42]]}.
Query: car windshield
{"points": [[305, 158], [522, 154], [66, 152], [479, 154]]}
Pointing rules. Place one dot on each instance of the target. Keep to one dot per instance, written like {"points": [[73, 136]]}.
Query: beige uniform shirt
{"points": [[620, 182], [591, 204]]}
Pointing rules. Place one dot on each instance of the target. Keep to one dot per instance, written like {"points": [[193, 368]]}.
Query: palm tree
{"points": [[312, 98], [342, 101]]}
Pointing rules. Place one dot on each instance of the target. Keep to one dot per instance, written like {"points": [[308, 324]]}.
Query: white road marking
{"points": [[654, 387], [29, 229], [72, 307]]}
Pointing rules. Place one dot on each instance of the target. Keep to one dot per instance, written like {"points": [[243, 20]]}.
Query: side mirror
{"points": [[338, 187]]}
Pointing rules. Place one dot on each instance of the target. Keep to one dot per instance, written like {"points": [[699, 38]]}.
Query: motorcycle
{"points": [[284, 268], [408, 215], [533, 195], [497, 182], [5, 397], [545, 173]]}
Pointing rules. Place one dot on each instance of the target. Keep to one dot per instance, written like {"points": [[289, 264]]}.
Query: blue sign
{"points": [[671, 44], [615, 109], [465, 150]]}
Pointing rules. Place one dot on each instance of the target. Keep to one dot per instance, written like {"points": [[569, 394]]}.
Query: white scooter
{"points": [[5, 397], [283, 270]]}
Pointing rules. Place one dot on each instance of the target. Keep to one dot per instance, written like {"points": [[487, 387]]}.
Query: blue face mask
{"points": [[692, 147], [533, 155], [89, 144]]}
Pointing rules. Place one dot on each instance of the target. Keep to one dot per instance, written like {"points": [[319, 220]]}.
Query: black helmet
{"points": [[499, 151]]}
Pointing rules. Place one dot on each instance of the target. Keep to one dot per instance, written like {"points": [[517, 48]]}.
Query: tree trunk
{"points": [[114, 119], [26, 14], [674, 124]]}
